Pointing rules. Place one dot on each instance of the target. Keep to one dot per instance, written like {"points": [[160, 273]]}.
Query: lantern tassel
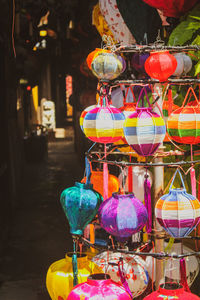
{"points": [[147, 201], [123, 277], [105, 178], [183, 275], [74, 264]]}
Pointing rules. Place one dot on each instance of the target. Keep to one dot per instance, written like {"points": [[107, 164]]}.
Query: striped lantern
{"points": [[104, 124], [178, 212], [183, 124], [144, 130], [84, 112]]}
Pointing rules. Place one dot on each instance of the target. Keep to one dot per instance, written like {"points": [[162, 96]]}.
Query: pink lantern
{"points": [[99, 286]]}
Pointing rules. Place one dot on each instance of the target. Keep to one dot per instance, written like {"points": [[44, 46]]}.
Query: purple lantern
{"points": [[138, 61], [122, 215]]}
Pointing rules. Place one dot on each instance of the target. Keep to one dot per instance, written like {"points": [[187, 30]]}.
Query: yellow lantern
{"points": [[59, 280]]}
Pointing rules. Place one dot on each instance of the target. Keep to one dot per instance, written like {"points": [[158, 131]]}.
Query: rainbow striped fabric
{"points": [[178, 212], [83, 114], [104, 124], [144, 131], [183, 125]]}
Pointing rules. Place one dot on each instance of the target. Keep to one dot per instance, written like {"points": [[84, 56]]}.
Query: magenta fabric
{"points": [[183, 275], [97, 288], [147, 201]]}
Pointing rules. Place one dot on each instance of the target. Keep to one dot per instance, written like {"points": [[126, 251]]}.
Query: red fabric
{"points": [[172, 8]]}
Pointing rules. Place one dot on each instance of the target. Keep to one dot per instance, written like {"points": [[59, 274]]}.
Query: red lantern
{"points": [[171, 291], [160, 65], [172, 8]]}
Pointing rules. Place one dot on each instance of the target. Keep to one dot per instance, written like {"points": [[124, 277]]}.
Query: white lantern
{"points": [[172, 266], [134, 268], [184, 64]]}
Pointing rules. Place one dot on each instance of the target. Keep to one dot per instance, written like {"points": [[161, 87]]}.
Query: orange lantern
{"points": [[160, 65], [166, 114], [97, 181], [93, 54]]}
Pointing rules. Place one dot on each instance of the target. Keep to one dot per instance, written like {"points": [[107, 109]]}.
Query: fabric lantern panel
{"points": [[111, 13], [144, 130], [104, 124], [59, 279], [171, 291], [99, 286], [134, 269], [84, 112], [93, 54], [106, 66], [184, 64], [172, 267], [166, 113], [80, 204], [178, 212], [118, 99], [160, 65], [183, 124], [97, 181], [138, 178], [122, 215]]}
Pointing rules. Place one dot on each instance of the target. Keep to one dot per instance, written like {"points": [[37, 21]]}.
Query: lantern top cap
{"points": [[171, 288], [97, 279], [118, 195], [81, 257], [158, 51], [84, 185]]}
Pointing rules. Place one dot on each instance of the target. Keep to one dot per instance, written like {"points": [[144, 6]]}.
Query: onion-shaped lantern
{"points": [[99, 286], [170, 290], [160, 65], [183, 125], [144, 130], [59, 280], [184, 64], [93, 54], [134, 268], [104, 124], [122, 215], [178, 212], [106, 66], [80, 204], [97, 181], [138, 61]]}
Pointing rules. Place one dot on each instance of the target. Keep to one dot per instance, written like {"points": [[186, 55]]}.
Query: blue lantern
{"points": [[80, 204]]}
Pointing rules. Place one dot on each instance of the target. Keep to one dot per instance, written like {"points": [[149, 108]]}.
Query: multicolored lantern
{"points": [[99, 286], [138, 61], [84, 112], [106, 66], [134, 268], [144, 130], [184, 64], [122, 215], [178, 212], [97, 181], [93, 54], [104, 124], [59, 280], [160, 65], [171, 291], [80, 204], [183, 124]]}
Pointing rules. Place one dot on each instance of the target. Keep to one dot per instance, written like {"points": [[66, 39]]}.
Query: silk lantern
{"points": [[172, 267], [138, 61], [171, 291], [106, 66], [178, 212], [183, 124], [97, 181], [59, 279], [122, 215], [144, 130], [84, 112], [104, 124], [184, 64], [93, 54], [160, 65], [134, 268], [99, 286], [80, 204]]}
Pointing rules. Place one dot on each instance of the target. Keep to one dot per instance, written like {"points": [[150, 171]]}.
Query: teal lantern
{"points": [[80, 204]]}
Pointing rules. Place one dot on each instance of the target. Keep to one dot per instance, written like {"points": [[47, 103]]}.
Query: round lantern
{"points": [[84, 112], [184, 64], [106, 66], [104, 124], [144, 131], [172, 267], [122, 215], [80, 204], [134, 269], [99, 286], [183, 124], [59, 280], [160, 65], [93, 54], [165, 110], [171, 291], [138, 178], [178, 212], [123, 62], [97, 181], [138, 61]]}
